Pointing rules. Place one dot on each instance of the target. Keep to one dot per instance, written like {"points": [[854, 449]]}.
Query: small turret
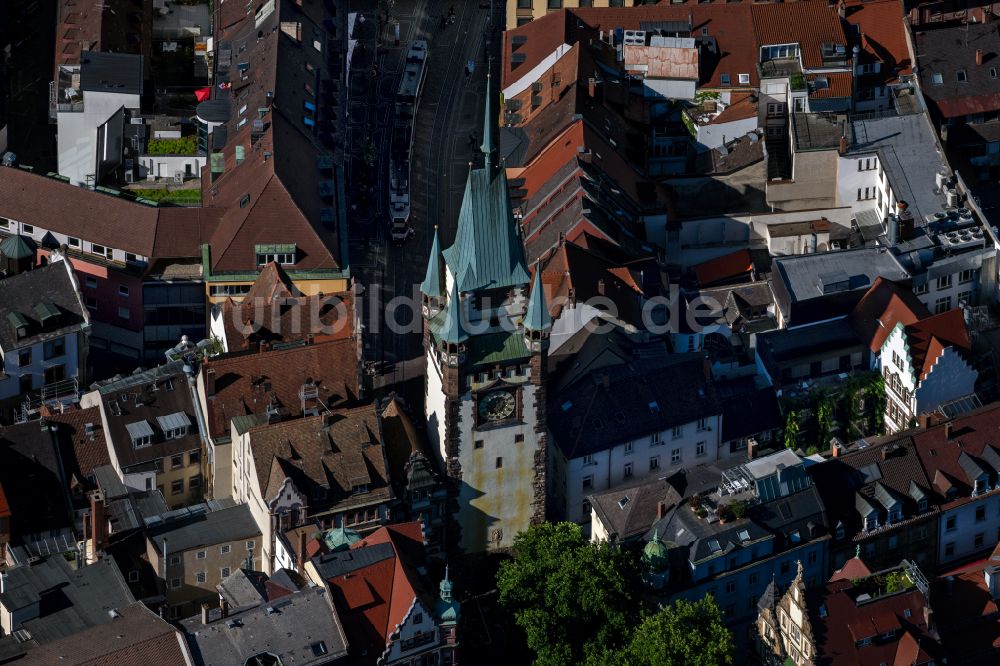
{"points": [[488, 147], [452, 335], [446, 608], [537, 321], [432, 288]]}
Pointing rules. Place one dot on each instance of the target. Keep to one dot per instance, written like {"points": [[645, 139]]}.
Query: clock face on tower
{"points": [[497, 406]]}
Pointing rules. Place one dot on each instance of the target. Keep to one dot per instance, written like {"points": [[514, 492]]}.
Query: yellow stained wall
{"points": [[307, 287]]}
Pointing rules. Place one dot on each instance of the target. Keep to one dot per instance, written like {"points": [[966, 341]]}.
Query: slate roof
{"points": [[71, 600], [487, 252], [946, 51], [199, 530], [246, 383], [628, 511], [136, 403], [33, 477], [287, 628], [332, 453], [908, 150], [967, 615], [135, 636], [747, 411], [111, 72], [609, 405], [82, 452], [883, 306], [21, 295]]}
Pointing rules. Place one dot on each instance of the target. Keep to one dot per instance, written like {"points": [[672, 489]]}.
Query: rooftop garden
{"points": [[188, 197], [882, 584], [797, 82], [849, 411], [186, 145]]}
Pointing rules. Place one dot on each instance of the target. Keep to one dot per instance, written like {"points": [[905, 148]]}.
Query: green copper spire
{"points": [[446, 608], [489, 143], [537, 317], [431, 286], [452, 330]]}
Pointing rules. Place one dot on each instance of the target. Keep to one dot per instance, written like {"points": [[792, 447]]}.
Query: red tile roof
{"points": [[560, 150], [884, 305], [839, 84], [853, 568], [741, 106], [246, 383], [374, 599], [968, 617], [726, 267], [89, 453], [929, 337], [940, 447], [883, 36], [809, 23]]}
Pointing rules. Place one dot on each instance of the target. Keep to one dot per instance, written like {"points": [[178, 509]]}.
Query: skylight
{"points": [[654, 407], [744, 535], [960, 75], [937, 79], [714, 546], [623, 502]]}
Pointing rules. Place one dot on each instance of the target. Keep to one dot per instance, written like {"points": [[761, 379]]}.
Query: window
{"points": [[200, 577], [937, 79], [965, 297], [965, 276], [784, 567], [499, 463], [893, 542], [194, 457], [654, 463], [224, 572], [24, 357], [588, 482], [175, 560], [949, 549], [744, 79], [977, 541], [811, 558], [251, 544], [897, 360], [131, 258], [555, 4], [27, 229], [961, 76], [628, 448], [993, 72], [175, 583], [627, 472], [922, 504], [942, 305], [200, 555], [105, 252], [944, 282], [980, 514], [54, 348], [699, 449], [318, 649], [702, 424], [730, 587], [4, 223], [124, 312], [729, 610], [753, 578], [283, 258], [90, 282], [677, 432], [177, 487], [122, 290], [585, 508], [654, 439], [519, 439], [133, 576], [675, 456], [725, 80], [73, 242], [478, 444], [176, 462], [225, 549], [194, 482]]}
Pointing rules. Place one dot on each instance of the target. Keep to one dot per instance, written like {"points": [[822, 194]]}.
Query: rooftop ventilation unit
{"points": [[635, 37]]}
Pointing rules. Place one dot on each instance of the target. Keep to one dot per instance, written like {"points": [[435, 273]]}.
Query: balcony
{"points": [[781, 68]]}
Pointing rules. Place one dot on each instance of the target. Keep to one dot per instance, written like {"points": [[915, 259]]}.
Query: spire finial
{"points": [[488, 146]]}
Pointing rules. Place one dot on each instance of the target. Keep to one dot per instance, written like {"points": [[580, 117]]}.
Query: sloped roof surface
{"points": [[809, 23], [20, 296], [883, 306], [929, 337]]}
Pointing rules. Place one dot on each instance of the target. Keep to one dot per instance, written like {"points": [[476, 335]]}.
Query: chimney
{"points": [[302, 553], [843, 144], [884, 453], [264, 345], [209, 382], [592, 86], [835, 450], [98, 522], [600, 286], [842, 9], [224, 607], [752, 448], [947, 431], [204, 613], [928, 616], [661, 510], [979, 57]]}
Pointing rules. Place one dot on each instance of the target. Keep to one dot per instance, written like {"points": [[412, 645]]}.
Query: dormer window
{"points": [[140, 432], [871, 521], [174, 426], [841, 532], [922, 504], [895, 514], [283, 254]]}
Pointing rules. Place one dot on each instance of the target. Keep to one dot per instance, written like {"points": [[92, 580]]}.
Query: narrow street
{"points": [[450, 110]]}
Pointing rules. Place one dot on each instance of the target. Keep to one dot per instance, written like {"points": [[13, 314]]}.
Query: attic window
{"points": [[623, 502], [566, 406], [725, 80], [283, 254], [744, 78], [961, 76], [654, 407], [993, 72], [140, 432], [244, 201], [744, 535], [318, 649], [714, 546], [937, 78]]}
